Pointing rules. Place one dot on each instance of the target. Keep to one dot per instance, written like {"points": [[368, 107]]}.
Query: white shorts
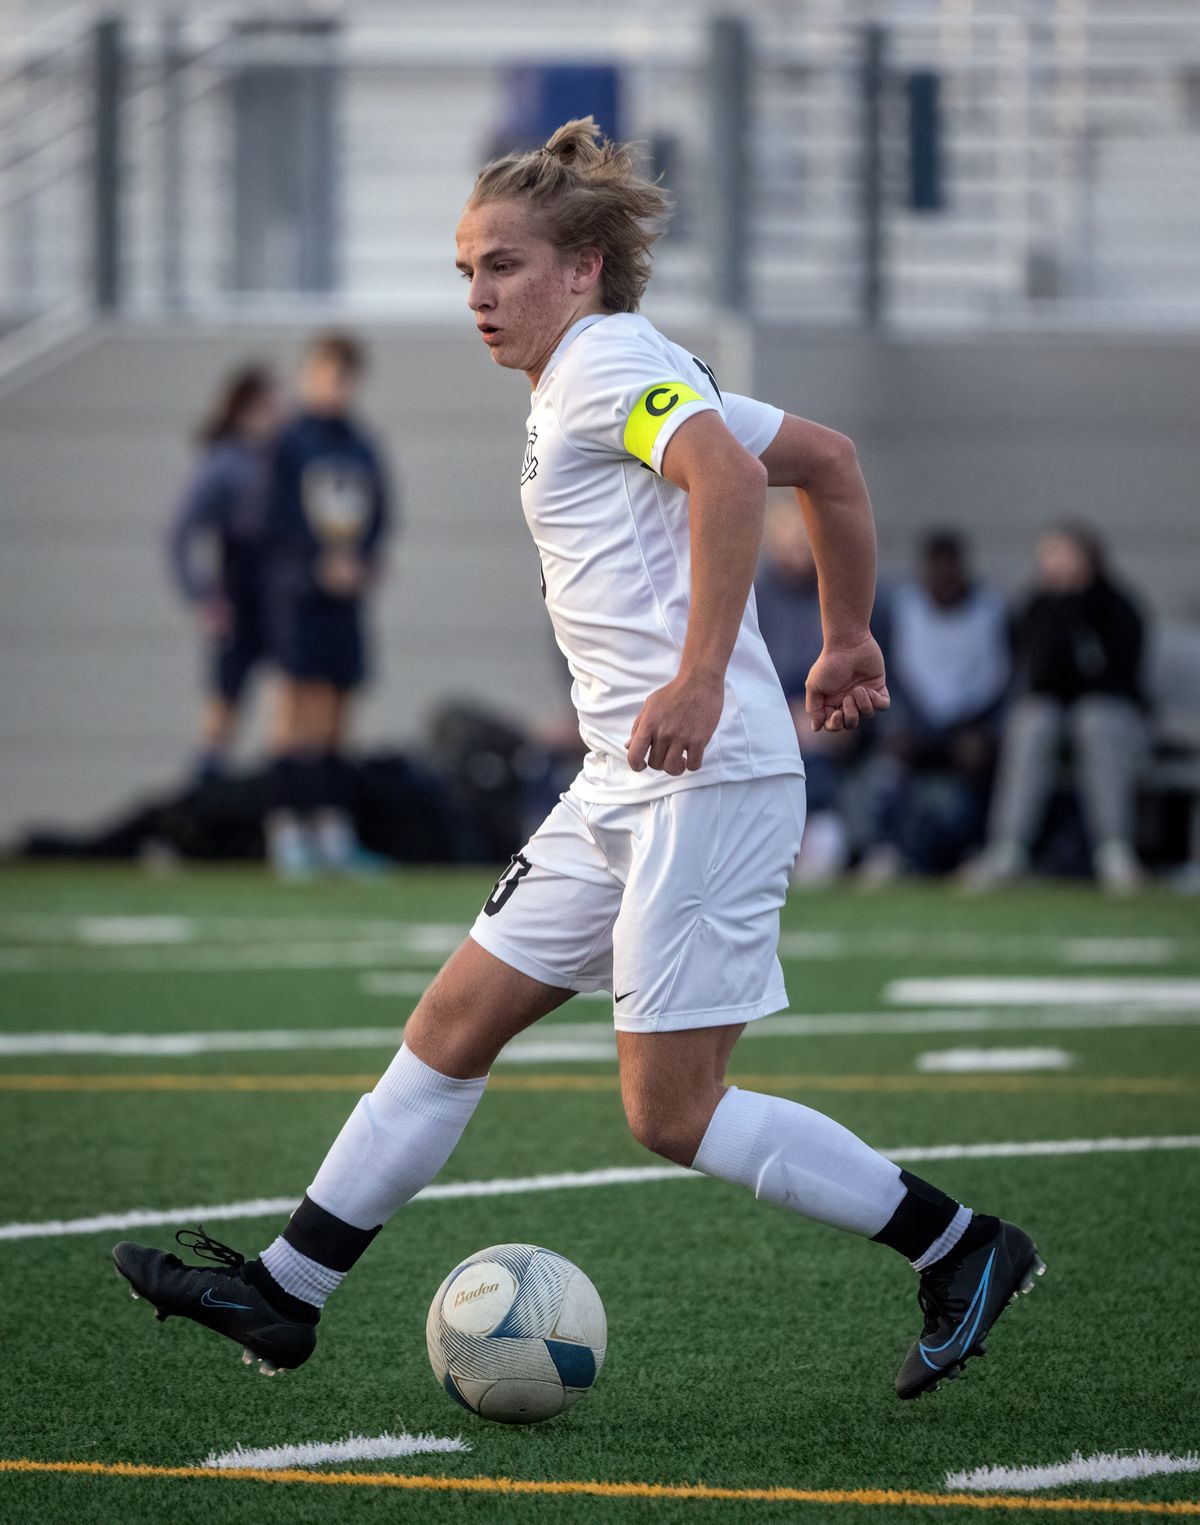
{"points": [[670, 903]]}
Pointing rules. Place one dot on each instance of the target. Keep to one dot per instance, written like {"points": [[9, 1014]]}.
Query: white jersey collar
{"points": [[565, 343]]}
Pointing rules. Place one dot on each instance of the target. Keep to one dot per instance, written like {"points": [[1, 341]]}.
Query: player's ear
{"points": [[585, 269]]}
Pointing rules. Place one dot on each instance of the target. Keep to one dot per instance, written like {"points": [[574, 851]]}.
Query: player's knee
{"points": [[665, 1127], [448, 1034]]}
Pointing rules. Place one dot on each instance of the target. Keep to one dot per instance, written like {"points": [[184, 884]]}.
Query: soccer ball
{"points": [[516, 1334]]}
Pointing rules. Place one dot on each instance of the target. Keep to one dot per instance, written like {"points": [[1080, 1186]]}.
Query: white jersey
{"points": [[613, 539]]}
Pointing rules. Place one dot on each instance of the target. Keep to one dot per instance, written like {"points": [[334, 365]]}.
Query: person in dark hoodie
{"points": [[1078, 646], [327, 518], [215, 548]]}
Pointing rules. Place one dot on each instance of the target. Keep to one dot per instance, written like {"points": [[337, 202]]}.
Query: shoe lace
{"points": [[202, 1244], [937, 1300]]}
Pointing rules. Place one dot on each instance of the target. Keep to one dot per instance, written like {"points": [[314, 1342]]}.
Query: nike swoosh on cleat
{"points": [[973, 1315], [210, 1301]]}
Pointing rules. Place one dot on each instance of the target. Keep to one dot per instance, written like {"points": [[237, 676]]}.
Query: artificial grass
{"points": [[748, 1348]]}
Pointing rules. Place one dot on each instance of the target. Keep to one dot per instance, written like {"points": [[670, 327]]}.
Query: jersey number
{"points": [[506, 886]]}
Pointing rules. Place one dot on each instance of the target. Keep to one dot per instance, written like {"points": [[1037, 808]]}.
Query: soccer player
{"points": [[661, 872], [327, 519], [215, 547]]}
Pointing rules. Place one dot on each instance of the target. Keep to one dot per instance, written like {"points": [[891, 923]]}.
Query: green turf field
{"points": [[749, 1351]]}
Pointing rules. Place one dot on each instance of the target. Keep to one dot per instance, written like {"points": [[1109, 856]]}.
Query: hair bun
{"points": [[577, 142]]}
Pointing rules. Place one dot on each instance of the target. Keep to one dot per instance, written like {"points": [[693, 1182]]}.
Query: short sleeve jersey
{"points": [[613, 537]]}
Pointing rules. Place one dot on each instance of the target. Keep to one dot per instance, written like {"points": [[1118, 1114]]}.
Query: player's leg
{"points": [[545, 932], [402, 1132], [677, 1104], [1025, 772], [343, 669], [787, 1154], [230, 658], [698, 928], [218, 719], [395, 1141], [288, 848], [1106, 734]]}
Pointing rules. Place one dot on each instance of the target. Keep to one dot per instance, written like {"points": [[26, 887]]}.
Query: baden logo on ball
{"points": [[516, 1334]]}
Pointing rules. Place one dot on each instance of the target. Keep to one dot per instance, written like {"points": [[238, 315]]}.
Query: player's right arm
{"points": [[201, 512], [847, 681]]}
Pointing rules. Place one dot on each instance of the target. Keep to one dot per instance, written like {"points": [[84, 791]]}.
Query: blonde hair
{"points": [[586, 193]]}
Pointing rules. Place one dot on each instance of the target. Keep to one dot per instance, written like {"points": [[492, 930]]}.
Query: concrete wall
{"points": [[1002, 435], [98, 664]]}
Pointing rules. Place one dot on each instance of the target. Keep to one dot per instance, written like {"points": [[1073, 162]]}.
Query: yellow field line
{"points": [[871, 1497], [1100, 1085]]}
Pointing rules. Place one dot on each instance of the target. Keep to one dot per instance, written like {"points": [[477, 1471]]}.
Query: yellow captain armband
{"points": [[651, 411]]}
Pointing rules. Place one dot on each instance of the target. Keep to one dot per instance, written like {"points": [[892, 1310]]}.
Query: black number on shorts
{"points": [[506, 886]]}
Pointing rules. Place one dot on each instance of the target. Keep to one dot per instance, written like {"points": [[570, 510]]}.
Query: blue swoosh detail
{"points": [[976, 1305], [210, 1301]]}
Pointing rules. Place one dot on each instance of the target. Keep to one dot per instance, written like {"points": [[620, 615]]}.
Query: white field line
{"points": [[353, 1448], [879, 1023], [1047, 1149], [978, 1061], [99, 931], [1103, 1467], [140, 931], [267, 1207], [567, 1042], [986, 990], [183, 1045], [246, 958], [144, 944], [1006, 948]]}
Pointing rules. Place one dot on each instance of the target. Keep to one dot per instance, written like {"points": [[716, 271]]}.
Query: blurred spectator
{"points": [[789, 616], [1078, 653], [215, 548], [948, 666], [327, 518]]}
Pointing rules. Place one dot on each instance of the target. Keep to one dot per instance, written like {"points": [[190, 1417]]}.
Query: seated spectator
{"points": [[789, 616], [948, 667], [1078, 651]]}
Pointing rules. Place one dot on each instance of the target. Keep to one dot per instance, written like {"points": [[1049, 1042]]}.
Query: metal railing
{"points": [[941, 167]]}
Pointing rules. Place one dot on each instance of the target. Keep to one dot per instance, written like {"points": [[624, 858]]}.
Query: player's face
{"points": [[524, 292], [1062, 563], [326, 386]]}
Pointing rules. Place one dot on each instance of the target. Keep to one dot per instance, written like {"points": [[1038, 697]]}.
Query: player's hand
{"points": [[215, 617], [675, 725], [341, 574], [845, 685]]}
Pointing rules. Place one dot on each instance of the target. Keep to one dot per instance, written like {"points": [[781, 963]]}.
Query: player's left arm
{"points": [[847, 681], [726, 488]]}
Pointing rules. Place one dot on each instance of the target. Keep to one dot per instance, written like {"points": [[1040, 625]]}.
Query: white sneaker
{"points": [[824, 851], [1117, 867], [999, 864], [289, 850], [881, 866]]}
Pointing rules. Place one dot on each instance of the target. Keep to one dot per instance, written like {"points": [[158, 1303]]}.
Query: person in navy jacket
{"points": [[327, 518], [215, 547]]}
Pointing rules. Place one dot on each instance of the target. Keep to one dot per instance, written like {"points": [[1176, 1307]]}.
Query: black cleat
{"points": [[220, 1297], [961, 1297]]}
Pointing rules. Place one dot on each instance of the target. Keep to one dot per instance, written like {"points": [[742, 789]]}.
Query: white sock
{"points": [[287, 839], [306, 1279], [945, 1241], [394, 1142], [790, 1155], [333, 833]]}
